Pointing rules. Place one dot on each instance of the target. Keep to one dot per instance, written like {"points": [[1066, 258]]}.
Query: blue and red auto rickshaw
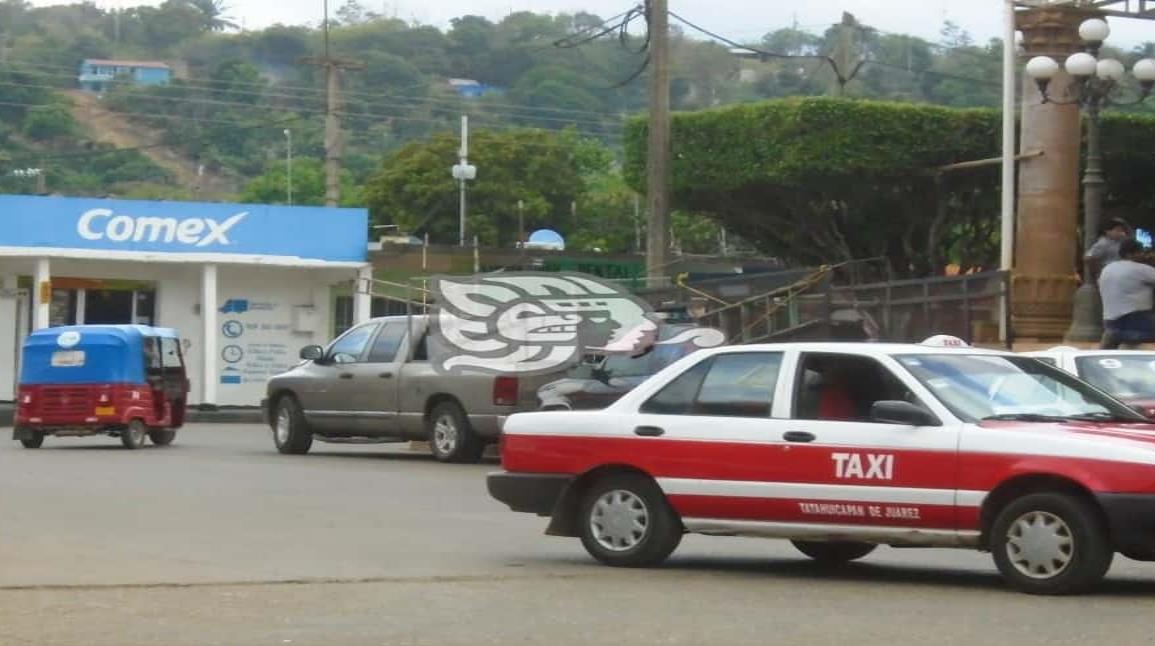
{"points": [[125, 381]]}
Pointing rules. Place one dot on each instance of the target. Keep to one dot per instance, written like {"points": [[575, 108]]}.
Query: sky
{"points": [[736, 19]]}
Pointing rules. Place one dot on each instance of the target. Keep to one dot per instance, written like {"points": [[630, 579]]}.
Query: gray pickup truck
{"points": [[373, 384]]}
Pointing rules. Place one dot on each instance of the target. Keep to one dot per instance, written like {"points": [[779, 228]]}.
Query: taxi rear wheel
{"points": [[1051, 543], [133, 437], [627, 522], [291, 432], [834, 551]]}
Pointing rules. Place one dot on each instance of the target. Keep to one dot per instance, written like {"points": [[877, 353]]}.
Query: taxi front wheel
{"points": [[627, 522], [1051, 543]]}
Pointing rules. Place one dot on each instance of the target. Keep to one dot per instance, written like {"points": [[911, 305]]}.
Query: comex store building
{"points": [[247, 285]]}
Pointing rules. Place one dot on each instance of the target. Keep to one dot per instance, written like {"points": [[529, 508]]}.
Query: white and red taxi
{"points": [[840, 447], [1128, 375]]}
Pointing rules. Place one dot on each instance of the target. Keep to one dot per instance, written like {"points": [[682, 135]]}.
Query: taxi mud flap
{"points": [[23, 433]]}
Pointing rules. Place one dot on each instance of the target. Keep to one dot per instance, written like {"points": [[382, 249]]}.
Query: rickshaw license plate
{"points": [[105, 410], [67, 358]]}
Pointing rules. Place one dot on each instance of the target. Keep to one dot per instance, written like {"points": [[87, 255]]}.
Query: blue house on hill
{"points": [[96, 74]]}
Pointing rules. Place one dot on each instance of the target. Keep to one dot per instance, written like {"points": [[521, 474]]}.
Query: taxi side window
{"points": [[841, 387], [727, 385]]}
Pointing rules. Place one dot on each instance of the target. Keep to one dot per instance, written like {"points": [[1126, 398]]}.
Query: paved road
{"points": [[219, 540]]}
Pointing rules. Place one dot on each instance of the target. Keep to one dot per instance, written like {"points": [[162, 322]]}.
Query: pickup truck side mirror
{"points": [[901, 413], [312, 353]]}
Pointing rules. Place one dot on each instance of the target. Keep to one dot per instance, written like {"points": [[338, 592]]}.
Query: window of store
{"points": [[102, 307]]}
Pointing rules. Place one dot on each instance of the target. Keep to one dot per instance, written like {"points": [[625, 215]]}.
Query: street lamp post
{"points": [[289, 165], [1095, 84], [463, 172]]}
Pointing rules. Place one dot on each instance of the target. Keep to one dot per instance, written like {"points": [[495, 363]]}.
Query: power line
{"points": [[833, 64], [380, 103], [208, 84], [248, 125]]}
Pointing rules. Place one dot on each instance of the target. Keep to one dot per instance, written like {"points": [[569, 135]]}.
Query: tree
{"points": [[212, 14], [52, 122], [271, 187], [545, 170]]}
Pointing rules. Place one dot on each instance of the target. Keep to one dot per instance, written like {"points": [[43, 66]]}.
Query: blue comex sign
{"points": [[184, 227]]}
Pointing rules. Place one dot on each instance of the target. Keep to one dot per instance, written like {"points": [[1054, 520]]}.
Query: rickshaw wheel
{"points": [[34, 442], [162, 436], [134, 436]]}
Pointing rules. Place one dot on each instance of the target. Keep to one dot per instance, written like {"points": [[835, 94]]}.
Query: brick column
{"points": [[1046, 244]]}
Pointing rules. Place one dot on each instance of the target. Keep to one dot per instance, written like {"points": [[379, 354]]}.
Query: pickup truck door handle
{"points": [[346, 375], [798, 436], [649, 431], [386, 375]]}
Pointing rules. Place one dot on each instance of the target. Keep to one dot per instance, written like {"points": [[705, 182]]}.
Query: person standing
{"points": [[1106, 249], [1126, 287]]}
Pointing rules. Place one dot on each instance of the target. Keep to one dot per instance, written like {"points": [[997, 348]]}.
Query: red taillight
{"points": [[26, 399], [505, 391]]}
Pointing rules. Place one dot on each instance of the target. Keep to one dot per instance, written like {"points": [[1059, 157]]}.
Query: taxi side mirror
{"points": [[901, 413], [312, 353]]}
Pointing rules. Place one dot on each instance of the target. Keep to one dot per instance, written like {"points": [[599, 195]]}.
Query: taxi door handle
{"points": [[346, 375], [649, 431], [798, 436], [386, 375]]}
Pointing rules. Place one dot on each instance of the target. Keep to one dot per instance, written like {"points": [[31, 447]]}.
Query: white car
{"points": [[1127, 374]]}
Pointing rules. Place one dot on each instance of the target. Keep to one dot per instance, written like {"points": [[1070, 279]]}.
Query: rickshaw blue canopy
{"points": [[113, 354]]}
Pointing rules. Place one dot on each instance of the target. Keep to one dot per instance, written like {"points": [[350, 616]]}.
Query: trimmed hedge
{"points": [[781, 162]]}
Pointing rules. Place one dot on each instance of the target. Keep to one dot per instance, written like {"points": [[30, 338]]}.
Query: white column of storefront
{"points": [[363, 295], [209, 375], [42, 294], [9, 337]]}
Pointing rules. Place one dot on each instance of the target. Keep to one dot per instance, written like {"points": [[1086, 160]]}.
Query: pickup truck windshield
{"points": [[978, 387]]}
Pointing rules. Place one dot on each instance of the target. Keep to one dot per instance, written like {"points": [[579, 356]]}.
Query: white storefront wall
{"points": [[264, 315]]}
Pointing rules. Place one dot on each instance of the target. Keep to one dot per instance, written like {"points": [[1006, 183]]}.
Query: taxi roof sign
{"points": [[946, 341]]}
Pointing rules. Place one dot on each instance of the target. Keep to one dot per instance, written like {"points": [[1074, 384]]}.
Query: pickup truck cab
{"points": [[375, 384]]}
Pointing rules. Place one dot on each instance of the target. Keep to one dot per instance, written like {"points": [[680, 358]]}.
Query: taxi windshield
{"points": [[985, 387], [1128, 377]]}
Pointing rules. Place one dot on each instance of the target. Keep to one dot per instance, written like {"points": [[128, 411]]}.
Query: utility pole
{"points": [[42, 179], [658, 151], [846, 66], [521, 224], [334, 143]]}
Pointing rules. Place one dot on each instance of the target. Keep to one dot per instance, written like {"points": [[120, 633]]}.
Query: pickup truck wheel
{"points": [[1051, 543], [162, 436], [291, 432], [626, 522], [834, 551], [451, 437], [34, 441], [133, 437]]}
